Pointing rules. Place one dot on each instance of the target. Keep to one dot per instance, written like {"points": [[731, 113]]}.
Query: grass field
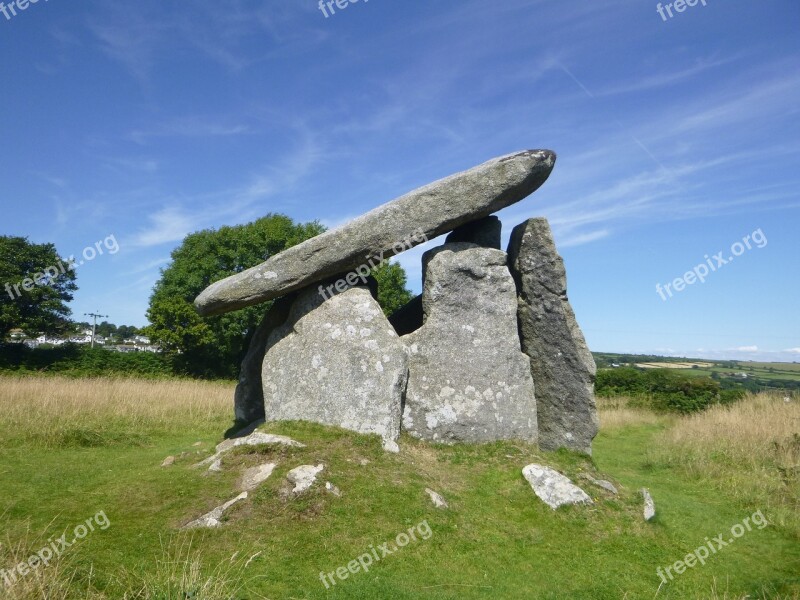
{"points": [[71, 449]]}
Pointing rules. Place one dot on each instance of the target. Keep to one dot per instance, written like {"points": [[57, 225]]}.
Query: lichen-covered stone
{"points": [[468, 378], [553, 488], [336, 361], [563, 368], [248, 398], [387, 230]]}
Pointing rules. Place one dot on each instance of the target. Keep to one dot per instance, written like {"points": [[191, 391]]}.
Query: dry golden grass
{"points": [[756, 430], [52, 409], [179, 574], [616, 413], [749, 449]]}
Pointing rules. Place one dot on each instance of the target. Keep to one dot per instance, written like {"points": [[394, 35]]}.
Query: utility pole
{"points": [[94, 323]]}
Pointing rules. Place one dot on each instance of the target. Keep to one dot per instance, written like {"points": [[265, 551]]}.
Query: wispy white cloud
{"points": [[141, 164], [141, 39], [664, 79], [171, 223], [745, 349], [149, 265], [167, 225], [583, 238], [195, 126]]}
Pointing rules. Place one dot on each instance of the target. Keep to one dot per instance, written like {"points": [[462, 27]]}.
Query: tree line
{"points": [[208, 347]]}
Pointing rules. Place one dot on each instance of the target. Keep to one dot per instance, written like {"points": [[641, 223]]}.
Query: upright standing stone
{"points": [[483, 232], [468, 379], [562, 366], [336, 361], [248, 398]]}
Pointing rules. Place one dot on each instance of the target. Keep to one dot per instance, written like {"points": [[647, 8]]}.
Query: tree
{"points": [[37, 284], [178, 328], [392, 292], [214, 346], [106, 329], [125, 332]]}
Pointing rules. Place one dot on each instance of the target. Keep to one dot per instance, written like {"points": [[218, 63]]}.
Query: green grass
{"points": [[497, 540]]}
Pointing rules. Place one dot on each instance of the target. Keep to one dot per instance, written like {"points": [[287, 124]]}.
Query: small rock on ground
{"points": [[333, 489], [212, 519], [606, 485], [255, 476], [168, 462], [391, 446], [254, 439], [437, 499], [649, 505], [553, 488], [303, 477]]}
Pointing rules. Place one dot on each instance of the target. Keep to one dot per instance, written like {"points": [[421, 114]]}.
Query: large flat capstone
{"points": [[392, 228]]}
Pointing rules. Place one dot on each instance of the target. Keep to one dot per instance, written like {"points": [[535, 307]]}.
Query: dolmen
{"points": [[489, 351]]}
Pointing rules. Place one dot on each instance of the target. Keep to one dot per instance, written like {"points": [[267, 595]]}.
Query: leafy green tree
{"points": [[214, 346], [126, 331], [106, 329], [37, 284], [392, 292], [79, 326], [178, 328]]}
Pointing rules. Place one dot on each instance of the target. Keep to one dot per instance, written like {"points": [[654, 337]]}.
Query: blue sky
{"points": [[676, 138]]}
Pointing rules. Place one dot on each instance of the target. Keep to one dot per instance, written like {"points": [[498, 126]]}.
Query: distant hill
{"points": [[731, 374]]}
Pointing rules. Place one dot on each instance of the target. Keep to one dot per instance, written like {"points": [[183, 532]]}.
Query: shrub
{"points": [[662, 389], [81, 361]]}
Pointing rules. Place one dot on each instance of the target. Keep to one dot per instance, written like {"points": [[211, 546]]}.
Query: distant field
{"points": [[674, 365], [793, 366], [760, 376]]}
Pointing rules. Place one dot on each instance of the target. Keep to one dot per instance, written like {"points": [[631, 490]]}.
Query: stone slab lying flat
{"points": [[553, 488], [649, 506], [303, 477], [255, 476], [254, 439], [212, 519], [394, 227]]}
